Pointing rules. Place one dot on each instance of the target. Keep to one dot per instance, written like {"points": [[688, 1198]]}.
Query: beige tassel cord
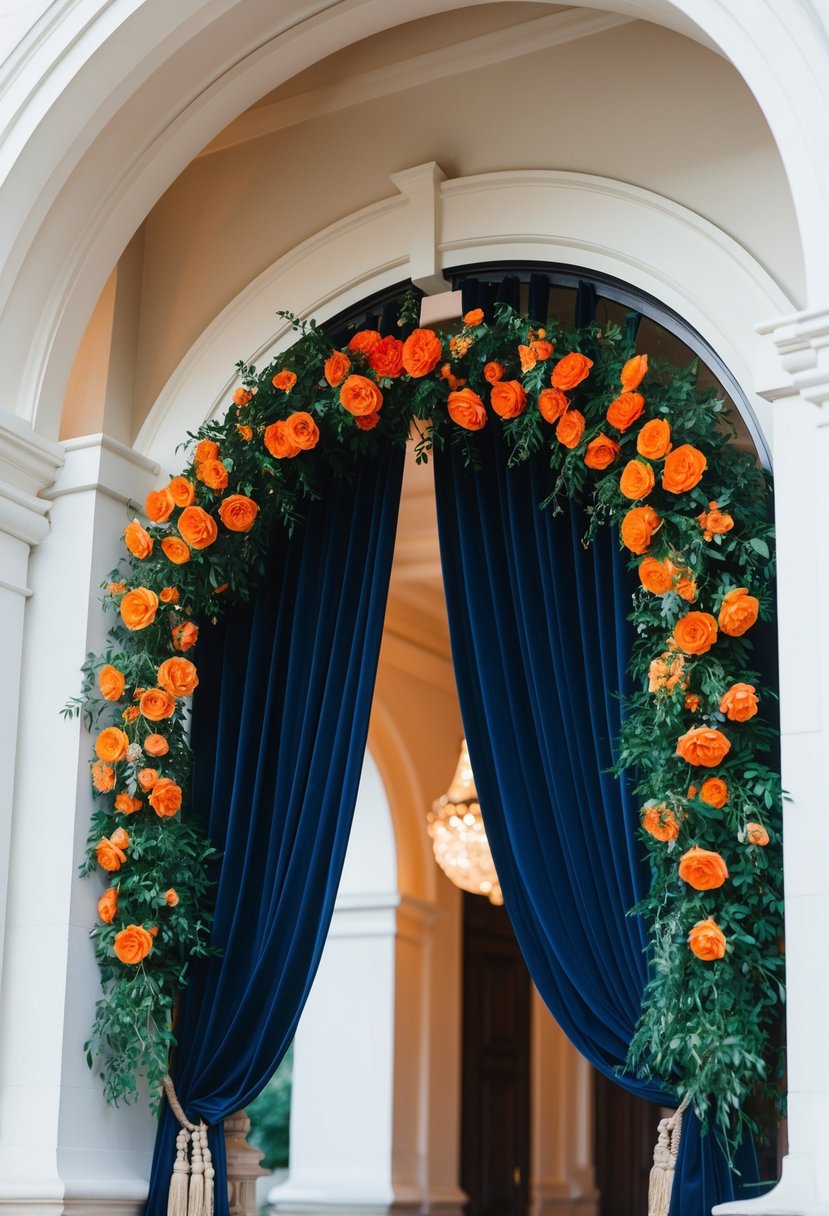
{"points": [[191, 1186], [664, 1161]]}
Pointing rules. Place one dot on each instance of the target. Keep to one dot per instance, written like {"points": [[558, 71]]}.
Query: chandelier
{"points": [[458, 837]]}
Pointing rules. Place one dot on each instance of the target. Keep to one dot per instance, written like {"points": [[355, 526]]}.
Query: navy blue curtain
{"points": [[540, 644], [280, 721]]}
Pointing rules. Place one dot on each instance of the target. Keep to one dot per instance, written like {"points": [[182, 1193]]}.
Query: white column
{"points": [[62, 1149]]}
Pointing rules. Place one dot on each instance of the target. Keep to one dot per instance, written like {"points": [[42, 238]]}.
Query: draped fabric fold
{"points": [[540, 644], [280, 722]]}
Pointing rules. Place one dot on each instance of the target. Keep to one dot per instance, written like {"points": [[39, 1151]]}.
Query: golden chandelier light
{"points": [[458, 836]]}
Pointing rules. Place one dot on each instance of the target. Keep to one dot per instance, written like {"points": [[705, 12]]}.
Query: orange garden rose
{"points": [[111, 745], [238, 513], [156, 704], [696, 632], [552, 403], [130, 713], [714, 522], [245, 432], [692, 701], [527, 358], [169, 595], [138, 608], [702, 745], [120, 838], [213, 473], [284, 380], [493, 372], [175, 550], [739, 703], [714, 791], [601, 451], [686, 586], [707, 941], [660, 822], [386, 358], [360, 396], [278, 441], [654, 439], [241, 396], [337, 367], [542, 350], [185, 635], [364, 341], [466, 409], [138, 540], [757, 834], [206, 449], [474, 317], [738, 612], [624, 411], [111, 683], [126, 804], [103, 777], [110, 856], [633, 373], [171, 898], [656, 576], [183, 491], [684, 467], [108, 905], [158, 505], [638, 528], [156, 745], [367, 422], [178, 677], [421, 352], [570, 428], [147, 777], [667, 673], [132, 945], [508, 398], [165, 798], [637, 479], [303, 432], [570, 371], [702, 870], [197, 528]]}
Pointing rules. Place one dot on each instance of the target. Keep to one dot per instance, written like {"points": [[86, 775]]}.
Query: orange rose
{"points": [[474, 317], [660, 822], [244, 432], [696, 632], [178, 677], [466, 409], [132, 945], [303, 432], [684, 467], [138, 608], [638, 528], [757, 834], [508, 398], [493, 372], [130, 713], [364, 341], [126, 804], [570, 371], [421, 352], [109, 856], [570, 428], [623, 412], [278, 441], [184, 635], [702, 870], [241, 396], [739, 703], [633, 373], [552, 404], [206, 449], [686, 587], [111, 745], [367, 422], [197, 528], [738, 612], [703, 746], [654, 439], [707, 940], [155, 704], [667, 673], [108, 905], [213, 473], [637, 479], [238, 513], [386, 358], [601, 451], [715, 522], [147, 778], [158, 505], [656, 576], [165, 798], [541, 350], [183, 491], [452, 380], [175, 550], [111, 683], [103, 777], [171, 898], [156, 745], [284, 380], [337, 367], [692, 701], [527, 358], [138, 540], [714, 791], [360, 396], [169, 595]]}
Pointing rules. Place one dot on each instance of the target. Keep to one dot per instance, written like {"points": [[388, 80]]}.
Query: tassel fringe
{"points": [[191, 1186], [664, 1161]]}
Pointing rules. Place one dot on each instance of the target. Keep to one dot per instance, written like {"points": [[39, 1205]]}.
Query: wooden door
{"points": [[625, 1131]]}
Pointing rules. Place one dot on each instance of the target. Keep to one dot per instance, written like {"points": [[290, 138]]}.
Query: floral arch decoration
{"points": [[648, 454]]}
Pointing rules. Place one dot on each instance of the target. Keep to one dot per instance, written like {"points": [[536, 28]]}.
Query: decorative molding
{"points": [[15, 588], [28, 464], [103, 464], [802, 343], [467, 55], [421, 186]]}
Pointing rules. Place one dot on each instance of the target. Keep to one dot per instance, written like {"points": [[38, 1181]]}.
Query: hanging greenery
{"points": [[647, 454]]}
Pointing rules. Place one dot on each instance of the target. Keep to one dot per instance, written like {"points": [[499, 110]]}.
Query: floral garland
{"points": [[647, 453]]}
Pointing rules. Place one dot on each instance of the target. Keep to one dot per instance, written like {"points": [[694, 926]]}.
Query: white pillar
{"points": [[62, 1149]]}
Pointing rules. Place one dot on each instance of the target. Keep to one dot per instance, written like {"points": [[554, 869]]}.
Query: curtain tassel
{"points": [[664, 1161], [191, 1186]]}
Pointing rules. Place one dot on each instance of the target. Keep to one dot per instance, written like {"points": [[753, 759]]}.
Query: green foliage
{"points": [[270, 1116]]}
